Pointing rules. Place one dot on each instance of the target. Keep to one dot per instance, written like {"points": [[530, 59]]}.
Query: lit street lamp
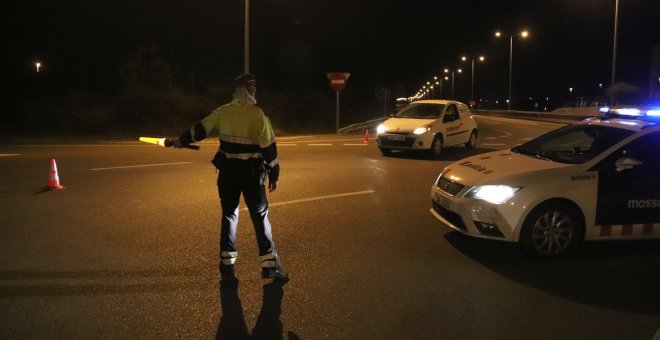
{"points": [[37, 65], [523, 34], [480, 58], [452, 79]]}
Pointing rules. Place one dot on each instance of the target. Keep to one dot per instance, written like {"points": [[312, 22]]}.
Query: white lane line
{"points": [[320, 144], [138, 166], [363, 144], [9, 154], [318, 198]]}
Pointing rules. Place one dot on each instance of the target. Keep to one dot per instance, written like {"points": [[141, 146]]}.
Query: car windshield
{"points": [[423, 111], [573, 144]]}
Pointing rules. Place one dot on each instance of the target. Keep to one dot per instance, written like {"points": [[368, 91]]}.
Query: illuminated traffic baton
{"points": [[166, 142]]}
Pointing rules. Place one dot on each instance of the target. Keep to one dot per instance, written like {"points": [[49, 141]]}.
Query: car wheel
{"points": [[436, 146], [385, 152], [472, 142], [551, 230]]}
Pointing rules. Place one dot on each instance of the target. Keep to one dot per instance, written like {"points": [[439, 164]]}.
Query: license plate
{"points": [[396, 137], [442, 201]]}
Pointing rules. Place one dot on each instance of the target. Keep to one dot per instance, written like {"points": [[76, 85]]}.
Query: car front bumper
{"points": [[404, 141], [474, 217]]}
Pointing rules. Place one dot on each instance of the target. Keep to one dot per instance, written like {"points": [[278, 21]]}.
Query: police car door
{"points": [[452, 125], [629, 190]]}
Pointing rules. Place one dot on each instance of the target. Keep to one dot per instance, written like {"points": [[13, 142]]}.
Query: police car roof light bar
{"points": [[650, 114]]}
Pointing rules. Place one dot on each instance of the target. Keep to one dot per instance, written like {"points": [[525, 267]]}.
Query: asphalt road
{"points": [[129, 250]]}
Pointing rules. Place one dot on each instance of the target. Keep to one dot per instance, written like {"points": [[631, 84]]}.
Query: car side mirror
{"points": [[626, 163]]}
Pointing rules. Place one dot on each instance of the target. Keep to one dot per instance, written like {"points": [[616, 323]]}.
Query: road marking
{"points": [[322, 144], [318, 198], [138, 166], [9, 154], [327, 140]]}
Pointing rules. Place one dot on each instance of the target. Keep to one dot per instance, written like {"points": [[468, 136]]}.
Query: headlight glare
{"points": [[496, 194], [422, 130], [380, 128]]}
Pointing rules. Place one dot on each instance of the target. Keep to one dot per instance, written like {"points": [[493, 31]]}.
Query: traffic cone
{"points": [[53, 178], [366, 136]]}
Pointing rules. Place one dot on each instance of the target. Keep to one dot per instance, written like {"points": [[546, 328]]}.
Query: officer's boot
{"points": [[228, 272], [228, 266], [271, 269]]}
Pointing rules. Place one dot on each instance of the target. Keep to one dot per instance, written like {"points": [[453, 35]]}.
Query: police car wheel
{"points": [[551, 230], [436, 146], [472, 142]]}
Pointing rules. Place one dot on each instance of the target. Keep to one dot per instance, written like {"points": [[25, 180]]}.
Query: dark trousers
{"points": [[236, 177]]}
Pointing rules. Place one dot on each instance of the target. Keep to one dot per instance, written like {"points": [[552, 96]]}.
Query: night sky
{"points": [[398, 44]]}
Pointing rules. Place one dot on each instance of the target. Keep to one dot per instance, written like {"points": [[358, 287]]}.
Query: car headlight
{"points": [[380, 128], [422, 130], [496, 194]]}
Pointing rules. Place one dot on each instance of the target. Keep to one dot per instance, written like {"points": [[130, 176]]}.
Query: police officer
{"points": [[247, 162]]}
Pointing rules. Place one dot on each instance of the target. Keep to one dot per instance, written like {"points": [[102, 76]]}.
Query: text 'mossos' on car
{"points": [[594, 180], [428, 125]]}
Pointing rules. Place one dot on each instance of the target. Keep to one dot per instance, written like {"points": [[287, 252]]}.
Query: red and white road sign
{"points": [[338, 80]]}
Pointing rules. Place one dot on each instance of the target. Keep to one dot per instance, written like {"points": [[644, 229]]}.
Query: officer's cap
{"points": [[245, 79]]}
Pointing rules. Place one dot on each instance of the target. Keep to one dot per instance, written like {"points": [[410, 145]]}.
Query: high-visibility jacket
{"points": [[244, 132]]}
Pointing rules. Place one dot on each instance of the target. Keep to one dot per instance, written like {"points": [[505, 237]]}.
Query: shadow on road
{"points": [[621, 275], [448, 154], [268, 326]]}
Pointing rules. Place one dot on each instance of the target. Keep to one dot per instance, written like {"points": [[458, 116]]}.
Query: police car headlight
{"points": [[496, 194], [380, 128], [422, 130]]}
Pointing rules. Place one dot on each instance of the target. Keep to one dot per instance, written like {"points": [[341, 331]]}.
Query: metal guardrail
{"points": [[370, 125], [553, 116], [557, 116]]}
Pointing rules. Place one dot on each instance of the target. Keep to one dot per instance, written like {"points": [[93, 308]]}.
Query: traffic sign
{"points": [[338, 80]]}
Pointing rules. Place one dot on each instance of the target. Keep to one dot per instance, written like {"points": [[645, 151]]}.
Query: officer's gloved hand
{"points": [[272, 186], [173, 142]]}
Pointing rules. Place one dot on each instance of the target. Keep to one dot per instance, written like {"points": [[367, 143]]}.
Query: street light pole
{"points": [[464, 58], [246, 39], [452, 79], [472, 82], [510, 67], [616, 24], [523, 34], [439, 85]]}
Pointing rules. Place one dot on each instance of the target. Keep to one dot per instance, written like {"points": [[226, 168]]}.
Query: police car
{"points": [[428, 125], [598, 179]]}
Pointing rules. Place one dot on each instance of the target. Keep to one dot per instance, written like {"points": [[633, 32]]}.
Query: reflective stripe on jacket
{"points": [[244, 132]]}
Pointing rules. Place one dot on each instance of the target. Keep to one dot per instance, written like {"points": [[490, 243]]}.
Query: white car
{"points": [[428, 125], [598, 179]]}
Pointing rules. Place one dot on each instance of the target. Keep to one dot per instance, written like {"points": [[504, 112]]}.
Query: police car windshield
{"points": [[573, 144], [421, 111]]}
